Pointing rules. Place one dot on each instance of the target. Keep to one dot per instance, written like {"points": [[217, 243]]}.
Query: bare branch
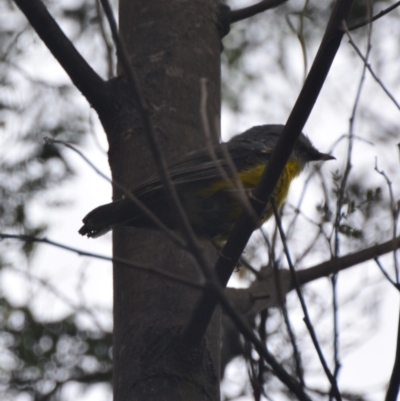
{"points": [[307, 319], [109, 46], [218, 295], [128, 263], [338, 264], [129, 194], [77, 308], [247, 12], [249, 267], [176, 206], [340, 200], [395, 215], [297, 119], [214, 286], [262, 293], [249, 335], [282, 304], [82, 75], [374, 75], [229, 310], [300, 34], [233, 182], [394, 383], [382, 269], [375, 17]]}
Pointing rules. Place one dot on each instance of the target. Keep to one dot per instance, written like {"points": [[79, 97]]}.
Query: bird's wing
{"points": [[199, 165]]}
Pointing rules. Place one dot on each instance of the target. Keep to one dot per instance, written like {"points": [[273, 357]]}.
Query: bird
{"points": [[206, 185]]}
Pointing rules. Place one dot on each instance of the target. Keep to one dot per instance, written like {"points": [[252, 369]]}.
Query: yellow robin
{"points": [[210, 200]]}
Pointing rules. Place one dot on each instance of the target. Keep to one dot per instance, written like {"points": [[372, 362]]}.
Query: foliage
{"points": [[40, 359]]}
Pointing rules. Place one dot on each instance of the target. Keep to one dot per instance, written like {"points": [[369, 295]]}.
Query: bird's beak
{"points": [[326, 156], [316, 156]]}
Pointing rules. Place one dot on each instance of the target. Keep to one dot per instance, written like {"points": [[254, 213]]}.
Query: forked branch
{"points": [[81, 73], [240, 235]]}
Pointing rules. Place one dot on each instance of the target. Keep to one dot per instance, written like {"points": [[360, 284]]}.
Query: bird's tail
{"points": [[106, 217]]}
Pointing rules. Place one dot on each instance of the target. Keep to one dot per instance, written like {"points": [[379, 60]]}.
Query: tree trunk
{"points": [[172, 44]]}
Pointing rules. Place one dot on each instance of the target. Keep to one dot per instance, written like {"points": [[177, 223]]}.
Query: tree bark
{"points": [[172, 45]]}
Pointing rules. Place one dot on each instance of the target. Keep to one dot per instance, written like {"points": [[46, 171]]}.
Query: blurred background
{"points": [[56, 306]]}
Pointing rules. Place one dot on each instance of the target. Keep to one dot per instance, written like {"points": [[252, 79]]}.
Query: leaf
{"points": [[351, 232]]}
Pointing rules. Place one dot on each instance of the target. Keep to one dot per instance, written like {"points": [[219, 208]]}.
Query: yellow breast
{"points": [[250, 178]]}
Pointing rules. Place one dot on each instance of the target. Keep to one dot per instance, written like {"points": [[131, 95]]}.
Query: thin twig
{"points": [[95, 136], [292, 224], [282, 304], [339, 206], [348, 166], [385, 273], [395, 215], [316, 170], [336, 346], [129, 194], [300, 35], [312, 244], [255, 383], [394, 383], [182, 219], [262, 332], [249, 335], [235, 183], [185, 226], [375, 17], [370, 69], [151, 134], [175, 203], [189, 235], [108, 44], [77, 308], [265, 187], [306, 318], [247, 12], [128, 263], [249, 267]]}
